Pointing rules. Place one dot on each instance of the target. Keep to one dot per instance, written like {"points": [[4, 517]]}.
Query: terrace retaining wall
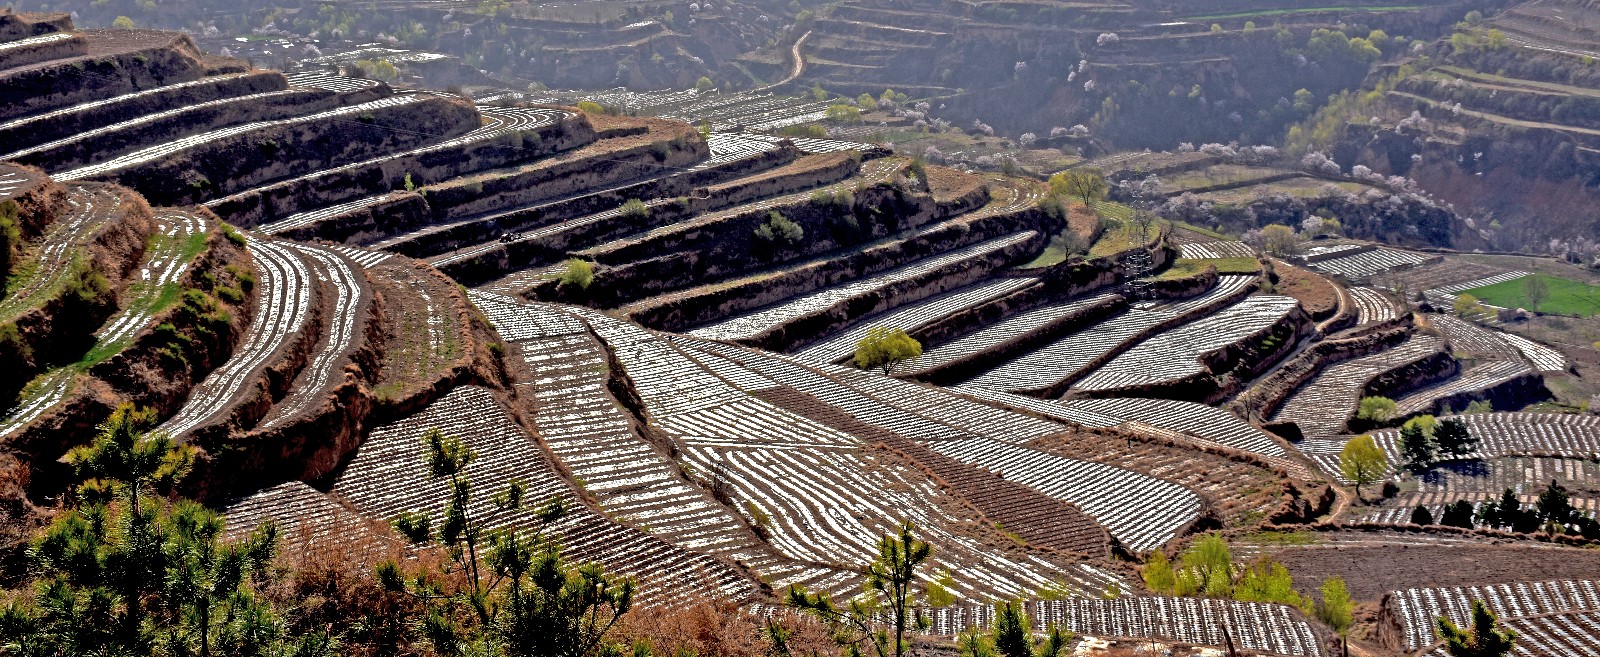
{"points": [[300, 194], [678, 314], [683, 184], [60, 329], [1264, 398], [39, 203], [170, 58], [143, 374], [43, 130], [242, 161]]}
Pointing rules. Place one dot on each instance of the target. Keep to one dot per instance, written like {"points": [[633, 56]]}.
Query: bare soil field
{"points": [[1404, 561], [1314, 292]]}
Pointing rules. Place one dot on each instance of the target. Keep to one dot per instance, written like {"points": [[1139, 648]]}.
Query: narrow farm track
{"points": [[349, 300], [284, 294]]}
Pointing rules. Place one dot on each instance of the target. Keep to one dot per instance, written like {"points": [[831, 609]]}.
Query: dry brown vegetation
{"points": [[1315, 293]]}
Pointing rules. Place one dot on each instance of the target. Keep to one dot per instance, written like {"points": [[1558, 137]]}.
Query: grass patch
{"points": [[1566, 296], [1116, 240], [1202, 230], [1304, 10], [1052, 255], [1285, 538], [1184, 267]]}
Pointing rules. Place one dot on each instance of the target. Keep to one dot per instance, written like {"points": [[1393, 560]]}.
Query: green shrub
{"points": [[233, 235], [231, 295], [918, 168], [1376, 409], [635, 209], [591, 107], [10, 241], [779, 229], [87, 285], [579, 273]]}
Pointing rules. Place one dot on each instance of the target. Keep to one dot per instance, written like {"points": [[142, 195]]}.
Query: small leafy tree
{"points": [[1158, 575], [1454, 438], [1485, 639], [885, 348], [1363, 462], [889, 592], [1335, 608], [704, 84], [1536, 290], [842, 113], [579, 273], [1207, 568], [1468, 307], [1376, 409], [1266, 580], [635, 209], [1421, 516], [1280, 240], [519, 596], [1086, 184], [122, 23]]}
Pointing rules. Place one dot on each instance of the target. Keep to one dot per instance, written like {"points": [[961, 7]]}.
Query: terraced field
{"points": [[1563, 633], [1325, 404], [1499, 435], [655, 326], [1076, 355]]}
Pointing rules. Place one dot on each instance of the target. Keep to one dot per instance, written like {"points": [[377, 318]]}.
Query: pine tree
{"points": [[1011, 630], [888, 592], [1454, 438], [1457, 515], [546, 608], [1484, 640], [1554, 505], [127, 572], [1416, 448]]}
